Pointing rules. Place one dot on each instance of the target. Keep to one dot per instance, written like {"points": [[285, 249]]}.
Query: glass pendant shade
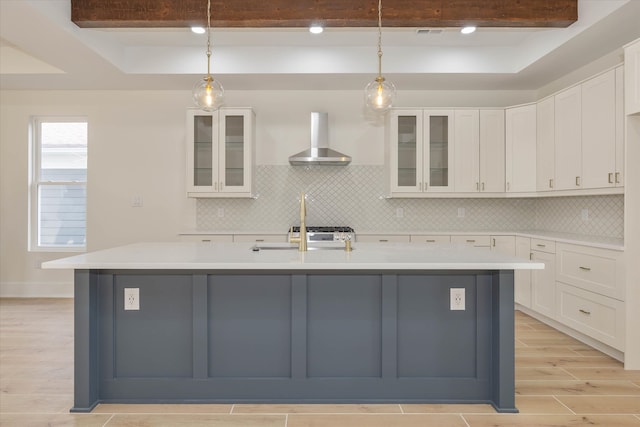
{"points": [[208, 94], [380, 94]]}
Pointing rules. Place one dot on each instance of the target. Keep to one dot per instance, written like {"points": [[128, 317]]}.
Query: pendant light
{"points": [[380, 93], [208, 93]]}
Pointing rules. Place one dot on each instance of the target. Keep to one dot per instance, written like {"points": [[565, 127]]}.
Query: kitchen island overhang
{"points": [[373, 325]]}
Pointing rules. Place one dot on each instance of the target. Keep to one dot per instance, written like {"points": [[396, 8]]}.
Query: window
{"points": [[58, 205]]}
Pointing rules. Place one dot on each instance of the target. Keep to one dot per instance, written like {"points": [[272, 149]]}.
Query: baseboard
{"points": [[36, 290], [609, 351]]}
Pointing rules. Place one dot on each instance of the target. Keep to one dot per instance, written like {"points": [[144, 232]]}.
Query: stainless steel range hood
{"points": [[319, 153]]}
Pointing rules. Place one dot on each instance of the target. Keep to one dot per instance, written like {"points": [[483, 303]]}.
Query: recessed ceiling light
{"points": [[316, 29], [198, 30], [468, 30]]}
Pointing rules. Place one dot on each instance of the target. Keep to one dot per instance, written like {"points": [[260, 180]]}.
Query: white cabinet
{"points": [[504, 244], [429, 239], [522, 278], [545, 144], [568, 139], [602, 133], [543, 282], [383, 238], [220, 154], [480, 151], [420, 151], [520, 146], [632, 77], [472, 240]]}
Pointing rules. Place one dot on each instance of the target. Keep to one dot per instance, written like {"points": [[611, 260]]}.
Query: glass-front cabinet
{"points": [[420, 146], [220, 153]]}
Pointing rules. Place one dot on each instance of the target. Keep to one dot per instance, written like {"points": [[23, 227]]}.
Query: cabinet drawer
{"points": [[430, 239], [597, 316], [206, 238], [542, 245], [259, 238], [382, 238], [477, 241], [594, 269]]}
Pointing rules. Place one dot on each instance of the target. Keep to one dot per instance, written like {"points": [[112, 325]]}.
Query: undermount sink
{"points": [[311, 246]]}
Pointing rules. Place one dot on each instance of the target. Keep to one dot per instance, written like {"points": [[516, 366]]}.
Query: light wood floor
{"points": [[559, 382]]}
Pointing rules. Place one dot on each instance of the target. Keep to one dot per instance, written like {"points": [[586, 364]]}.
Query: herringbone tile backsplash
{"points": [[355, 196]]}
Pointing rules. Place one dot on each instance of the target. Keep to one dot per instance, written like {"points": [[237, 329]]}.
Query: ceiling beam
{"points": [[330, 13]]}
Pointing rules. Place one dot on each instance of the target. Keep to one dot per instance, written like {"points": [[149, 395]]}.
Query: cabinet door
{"points": [[202, 146], [467, 155], [439, 150], [504, 244], [522, 278], [545, 144], [543, 285], [599, 131], [492, 151], [520, 136], [405, 145], [235, 151], [632, 77], [568, 141], [619, 176]]}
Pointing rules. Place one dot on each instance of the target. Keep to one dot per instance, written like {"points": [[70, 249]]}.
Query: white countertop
{"points": [[239, 256]]}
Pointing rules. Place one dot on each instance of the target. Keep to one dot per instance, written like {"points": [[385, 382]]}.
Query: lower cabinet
{"points": [[522, 278], [543, 282], [597, 316]]}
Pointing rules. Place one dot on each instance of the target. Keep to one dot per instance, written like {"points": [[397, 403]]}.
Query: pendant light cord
{"points": [[209, 39], [379, 39]]}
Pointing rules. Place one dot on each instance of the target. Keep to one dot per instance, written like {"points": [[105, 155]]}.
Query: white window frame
{"points": [[35, 158]]}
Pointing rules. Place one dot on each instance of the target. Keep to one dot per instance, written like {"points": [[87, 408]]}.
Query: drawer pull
{"points": [[494, 242], [540, 245], [577, 181], [551, 183], [384, 240], [206, 240], [584, 268], [610, 178], [430, 241], [259, 240], [470, 241], [617, 177], [588, 313]]}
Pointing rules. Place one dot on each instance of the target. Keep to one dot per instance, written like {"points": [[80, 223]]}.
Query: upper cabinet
{"points": [[632, 77], [545, 145], [568, 139], [602, 133], [420, 151], [520, 141], [480, 151], [220, 153]]}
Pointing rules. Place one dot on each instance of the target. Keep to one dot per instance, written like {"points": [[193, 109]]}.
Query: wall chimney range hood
{"points": [[319, 153]]}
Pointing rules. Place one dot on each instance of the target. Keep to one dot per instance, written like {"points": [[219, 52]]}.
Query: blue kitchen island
{"points": [[225, 323]]}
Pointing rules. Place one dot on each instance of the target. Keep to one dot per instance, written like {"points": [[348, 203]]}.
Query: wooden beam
{"points": [[330, 13]]}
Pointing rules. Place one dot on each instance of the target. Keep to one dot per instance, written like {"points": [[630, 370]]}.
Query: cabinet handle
{"points": [[540, 245], [420, 184], [430, 241], [610, 178], [530, 256], [588, 313], [577, 181], [470, 241], [584, 268], [551, 183], [483, 186], [384, 240], [259, 240], [617, 177], [494, 242], [206, 240], [477, 186]]}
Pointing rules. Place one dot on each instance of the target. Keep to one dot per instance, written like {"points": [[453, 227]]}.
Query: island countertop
{"points": [[240, 256]]}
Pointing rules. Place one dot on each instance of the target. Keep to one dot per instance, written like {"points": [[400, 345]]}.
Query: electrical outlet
{"points": [[132, 298], [461, 212], [457, 298], [399, 213]]}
